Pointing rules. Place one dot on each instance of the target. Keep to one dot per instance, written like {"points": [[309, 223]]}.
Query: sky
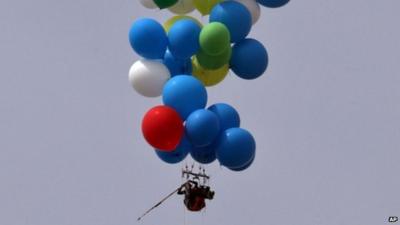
{"points": [[325, 115]]}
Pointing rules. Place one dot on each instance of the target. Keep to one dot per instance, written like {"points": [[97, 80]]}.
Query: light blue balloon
{"points": [[273, 3], [204, 155], [236, 147], [202, 127], [235, 16], [184, 39], [177, 66], [243, 167], [227, 115], [249, 59], [185, 94], [148, 38], [178, 154]]}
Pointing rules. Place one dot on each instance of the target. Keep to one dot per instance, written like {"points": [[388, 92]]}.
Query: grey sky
{"points": [[326, 117]]}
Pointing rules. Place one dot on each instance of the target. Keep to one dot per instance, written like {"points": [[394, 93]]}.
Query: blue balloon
{"points": [[204, 155], [273, 3], [177, 66], [185, 94], [184, 39], [249, 59], [148, 38], [202, 127], [178, 154], [227, 115], [243, 167], [235, 16], [236, 147]]}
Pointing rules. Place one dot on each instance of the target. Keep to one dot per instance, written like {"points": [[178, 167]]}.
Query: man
{"points": [[195, 195]]}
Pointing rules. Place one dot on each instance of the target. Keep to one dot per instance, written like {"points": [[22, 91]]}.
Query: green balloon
{"points": [[162, 4], [205, 6], [213, 62], [214, 38]]}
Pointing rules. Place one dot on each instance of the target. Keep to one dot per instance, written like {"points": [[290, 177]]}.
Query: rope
{"points": [[184, 180], [158, 204], [203, 215], [184, 215]]}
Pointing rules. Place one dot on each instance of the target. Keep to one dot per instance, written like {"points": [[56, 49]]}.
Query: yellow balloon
{"points": [[205, 6], [170, 22], [209, 77]]}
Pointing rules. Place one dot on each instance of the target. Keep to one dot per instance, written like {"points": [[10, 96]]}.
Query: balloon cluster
{"points": [[182, 57]]}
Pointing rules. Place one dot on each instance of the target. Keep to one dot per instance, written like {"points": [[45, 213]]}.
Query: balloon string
{"points": [[184, 215], [184, 165], [203, 215]]}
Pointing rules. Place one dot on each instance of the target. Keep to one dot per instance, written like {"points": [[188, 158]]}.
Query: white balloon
{"points": [[253, 7], [148, 4], [148, 77], [182, 7]]}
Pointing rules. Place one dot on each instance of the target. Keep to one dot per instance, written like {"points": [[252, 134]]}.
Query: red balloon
{"points": [[162, 128]]}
